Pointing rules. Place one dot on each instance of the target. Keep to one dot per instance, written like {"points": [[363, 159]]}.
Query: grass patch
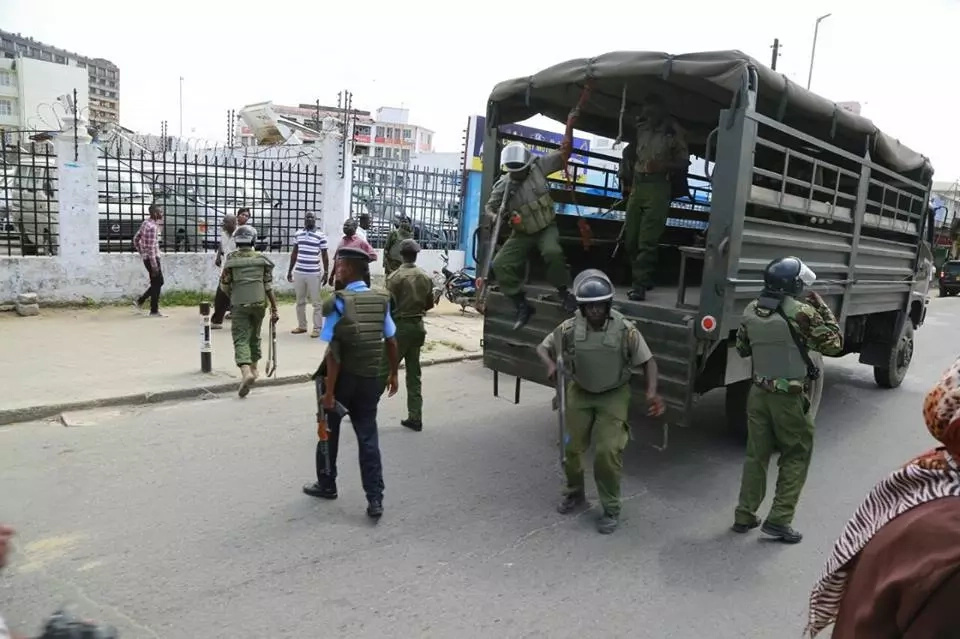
{"points": [[433, 344]]}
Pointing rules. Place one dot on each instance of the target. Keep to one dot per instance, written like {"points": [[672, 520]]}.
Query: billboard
{"points": [[475, 134]]}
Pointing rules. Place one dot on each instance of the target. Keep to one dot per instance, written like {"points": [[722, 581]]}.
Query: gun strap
{"points": [[812, 371]]}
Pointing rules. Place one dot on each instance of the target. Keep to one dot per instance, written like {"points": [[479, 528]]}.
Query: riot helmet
{"points": [[592, 286], [515, 157], [787, 275], [245, 235]]}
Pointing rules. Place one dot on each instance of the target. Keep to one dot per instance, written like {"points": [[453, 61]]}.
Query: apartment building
{"points": [[103, 76], [34, 94]]}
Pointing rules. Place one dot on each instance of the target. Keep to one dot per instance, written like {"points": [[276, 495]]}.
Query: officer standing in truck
{"points": [[649, 167], [602, 350], [777, 331], [391, 250], [532, 218], [357, 323], [248, 280], [411, 296]]}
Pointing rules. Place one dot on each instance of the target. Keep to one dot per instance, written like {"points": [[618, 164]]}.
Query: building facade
{"points": [[102, 81], [34, 95]]}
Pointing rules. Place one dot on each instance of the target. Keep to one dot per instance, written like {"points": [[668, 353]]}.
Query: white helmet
{"points": [[515, 157]]}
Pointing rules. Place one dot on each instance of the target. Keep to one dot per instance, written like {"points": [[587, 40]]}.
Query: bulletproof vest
{"points": [[653, 144], [359, 331], [247, 285], [394, 253], [775, 355], [410, 287], [599, 357], [531, 203]]}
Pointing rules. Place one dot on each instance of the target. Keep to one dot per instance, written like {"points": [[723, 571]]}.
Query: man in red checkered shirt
{"points": [[147, 243]]}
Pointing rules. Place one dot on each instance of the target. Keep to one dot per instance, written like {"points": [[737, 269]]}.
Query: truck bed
{"points": [[668, 331]]}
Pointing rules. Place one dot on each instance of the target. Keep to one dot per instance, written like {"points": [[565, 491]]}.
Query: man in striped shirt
{"points": [[147, 243], [309, 248]]}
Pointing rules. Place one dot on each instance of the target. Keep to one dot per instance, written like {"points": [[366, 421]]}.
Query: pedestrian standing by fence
{"points": [[147, 243], [306, 273], [411, 296], [221, 302], [243, 216], [363, 225], [248, 280], [357, 324], [350, 239]]}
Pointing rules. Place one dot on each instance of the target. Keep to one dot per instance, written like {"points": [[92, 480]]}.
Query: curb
{"points": [[34, 413]]}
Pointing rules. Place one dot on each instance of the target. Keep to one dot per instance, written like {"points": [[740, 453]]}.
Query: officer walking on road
{"points": [[248, 280], [659, 155], [357, 322], [777, 331], [602, 350], [411, 295], [530, 213], [391, 250]]}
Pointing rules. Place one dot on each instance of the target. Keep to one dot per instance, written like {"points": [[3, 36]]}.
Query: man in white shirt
{"points": [[363, 222], [221, 303], [307, 274]]}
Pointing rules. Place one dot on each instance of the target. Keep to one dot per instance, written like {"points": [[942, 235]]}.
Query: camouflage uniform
{"points": [[247, 278], [656, 150], [777, 408], [391, 251], [411, 293], [530, 213]]}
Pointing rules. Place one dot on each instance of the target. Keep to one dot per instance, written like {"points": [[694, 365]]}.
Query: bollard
{"points": [[206, 347]]}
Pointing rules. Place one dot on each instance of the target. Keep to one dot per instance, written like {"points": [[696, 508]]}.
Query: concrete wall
{"points": [[81, 273]]}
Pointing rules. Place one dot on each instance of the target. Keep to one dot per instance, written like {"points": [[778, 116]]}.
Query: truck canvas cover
{"points": [[695, 86]]}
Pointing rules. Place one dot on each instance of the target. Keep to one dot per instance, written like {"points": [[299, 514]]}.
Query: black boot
{"points": [[567, 301], [375, 508], [524, 311], [637, 294], [323, 491], [780, 532], [569, 503], [412, 424]]}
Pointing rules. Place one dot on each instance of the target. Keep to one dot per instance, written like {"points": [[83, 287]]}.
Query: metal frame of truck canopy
{"points": [[858, 215]]}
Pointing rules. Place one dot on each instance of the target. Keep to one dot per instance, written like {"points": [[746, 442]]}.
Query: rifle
{"points": [[481, 302], [323, 433], [561, 402], [272, 351]]}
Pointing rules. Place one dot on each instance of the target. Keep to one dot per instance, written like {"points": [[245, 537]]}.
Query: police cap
{"points": [[245, 235]]}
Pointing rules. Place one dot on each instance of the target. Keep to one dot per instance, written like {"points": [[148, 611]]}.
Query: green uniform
{"points": [[649, 203], [358, 333], [600, 363], [411, 293], [247, 276], [530, 213], [777, 408], [391, 251]]}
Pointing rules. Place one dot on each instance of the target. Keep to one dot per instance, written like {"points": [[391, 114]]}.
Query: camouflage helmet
{"points": [[245, 235], [787, 275], [409, 247], [591, 286], [350, 226]]}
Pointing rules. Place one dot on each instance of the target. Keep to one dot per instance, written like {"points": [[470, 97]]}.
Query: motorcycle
{"points": [[458, 287]]}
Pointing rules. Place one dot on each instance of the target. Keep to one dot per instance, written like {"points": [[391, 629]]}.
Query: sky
{"points": [[899, 63]]}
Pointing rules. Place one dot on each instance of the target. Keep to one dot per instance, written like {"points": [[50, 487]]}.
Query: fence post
{"points": [[336, 190], [78, 218]]}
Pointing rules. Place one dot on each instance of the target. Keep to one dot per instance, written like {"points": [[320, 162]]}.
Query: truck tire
{"points": [[736, 401], [901, 353]]}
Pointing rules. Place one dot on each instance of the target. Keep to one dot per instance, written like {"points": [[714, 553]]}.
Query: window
{"points": [[61, 60], [389, 132], [5, 79], [112, 74], [378, 152], [81, 65], [6, 107], [407, 134], [405, 155]]}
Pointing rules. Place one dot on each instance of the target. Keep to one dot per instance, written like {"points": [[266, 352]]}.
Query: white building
{"points": [[33, 93]]}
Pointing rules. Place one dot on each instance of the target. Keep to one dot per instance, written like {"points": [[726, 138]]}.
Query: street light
{"points": [[813, 51]]}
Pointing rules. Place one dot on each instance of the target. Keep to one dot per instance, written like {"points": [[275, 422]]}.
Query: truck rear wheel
{"points": [[901, 354]]}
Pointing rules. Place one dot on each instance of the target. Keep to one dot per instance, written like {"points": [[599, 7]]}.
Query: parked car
{"points": [[950, 278]]}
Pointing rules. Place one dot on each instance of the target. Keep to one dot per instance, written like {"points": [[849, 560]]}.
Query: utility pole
{"points": [[813, 50], [776, 53], [181, 107]]}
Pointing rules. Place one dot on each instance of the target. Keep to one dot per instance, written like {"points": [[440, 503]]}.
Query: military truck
{"points": [[787, 172]]}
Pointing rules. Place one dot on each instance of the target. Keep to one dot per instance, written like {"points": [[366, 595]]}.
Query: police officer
{"points": [[248, 280], [602, 350], [411, 295], [391, 251], [531, 216], [777, 330], [357, 322], [659, 157]]}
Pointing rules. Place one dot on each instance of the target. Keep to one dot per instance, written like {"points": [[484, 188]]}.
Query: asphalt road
{"points": [[187, 520]]}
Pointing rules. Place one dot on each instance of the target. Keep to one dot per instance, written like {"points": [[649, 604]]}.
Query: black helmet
{"points": [[787, 275], [245, 235], [409, 247], [592, 286]]}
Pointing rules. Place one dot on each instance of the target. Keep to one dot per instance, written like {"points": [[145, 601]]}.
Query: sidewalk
{"points": [[67, 359]]}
